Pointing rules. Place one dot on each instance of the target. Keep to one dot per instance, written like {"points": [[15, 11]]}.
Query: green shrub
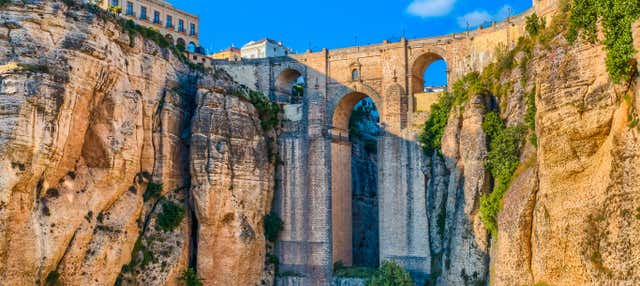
{"points": [[298, 90], [171, 216], [273, 225], [128, 26], [503, 160], [616, 17], [3, 2], [190, 278], [534, 25], [390, 273], [340, 270], [433, 130], [530, 117], [181, 47], [268, 111], [53, 279], [153, 191]]}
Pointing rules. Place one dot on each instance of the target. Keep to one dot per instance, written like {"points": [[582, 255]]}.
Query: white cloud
{"points": [[479, 17], [430, 8], [475, 18]]}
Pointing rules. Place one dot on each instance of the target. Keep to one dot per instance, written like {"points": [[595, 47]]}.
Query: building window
{"points": [[129, 8], [355, 75], [181, 25], [156, 17], [169, 22], [143, 12], [192, 29]]}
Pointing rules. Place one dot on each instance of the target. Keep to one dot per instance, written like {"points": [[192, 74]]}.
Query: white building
{"points": [[265, 48]]}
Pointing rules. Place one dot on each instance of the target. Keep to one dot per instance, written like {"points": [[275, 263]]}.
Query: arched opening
{"points": [[181, 44], [429, 80], [289, 86], [192, 47], [169, 38], [354, 201], [355, 75]]}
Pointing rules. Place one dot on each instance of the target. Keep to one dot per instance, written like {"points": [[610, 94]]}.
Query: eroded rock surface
{"points": [[232, 179], [89, 118]]}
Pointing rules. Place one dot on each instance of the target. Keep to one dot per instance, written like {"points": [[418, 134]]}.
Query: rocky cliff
{"points": [[118, 161], [571, 212]]}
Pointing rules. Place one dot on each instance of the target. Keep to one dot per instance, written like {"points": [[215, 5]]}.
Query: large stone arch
{"points": [[339, 110], [341, 172]]}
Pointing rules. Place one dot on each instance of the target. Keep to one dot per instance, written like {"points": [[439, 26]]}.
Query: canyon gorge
{"points": [[124, 163]]}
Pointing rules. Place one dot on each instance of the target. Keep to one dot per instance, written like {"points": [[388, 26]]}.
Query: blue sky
{"points": [[336, 23]]}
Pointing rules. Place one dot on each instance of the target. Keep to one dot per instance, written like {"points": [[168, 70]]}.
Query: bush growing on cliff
{"points": [[530, 117], [190, 278], [267, 110], [273, 225], [153, 191], [171, 216], [616, 17], [433, 130], [390, 273], [503, 160], [534, 25], [128, 26], [53, 279]]}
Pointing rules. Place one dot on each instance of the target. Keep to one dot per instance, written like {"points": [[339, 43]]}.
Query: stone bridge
{"points": [[313, 194]]}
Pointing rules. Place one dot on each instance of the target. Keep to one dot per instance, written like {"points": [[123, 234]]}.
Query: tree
{"points": [[391, 274]]}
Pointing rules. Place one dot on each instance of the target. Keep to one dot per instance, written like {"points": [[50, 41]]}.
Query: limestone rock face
{"points": [[459, 243], [81, 117], [571, 214], [232, 183], [89, 119], [589, 187]]}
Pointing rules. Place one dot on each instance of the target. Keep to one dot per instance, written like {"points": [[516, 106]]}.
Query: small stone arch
{"points": [[192, 47], [420, 62], [181, 42], [169, 38], [290, 85]]}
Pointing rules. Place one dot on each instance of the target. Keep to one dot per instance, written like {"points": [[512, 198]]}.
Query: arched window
{"points": [[355, 75]]}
